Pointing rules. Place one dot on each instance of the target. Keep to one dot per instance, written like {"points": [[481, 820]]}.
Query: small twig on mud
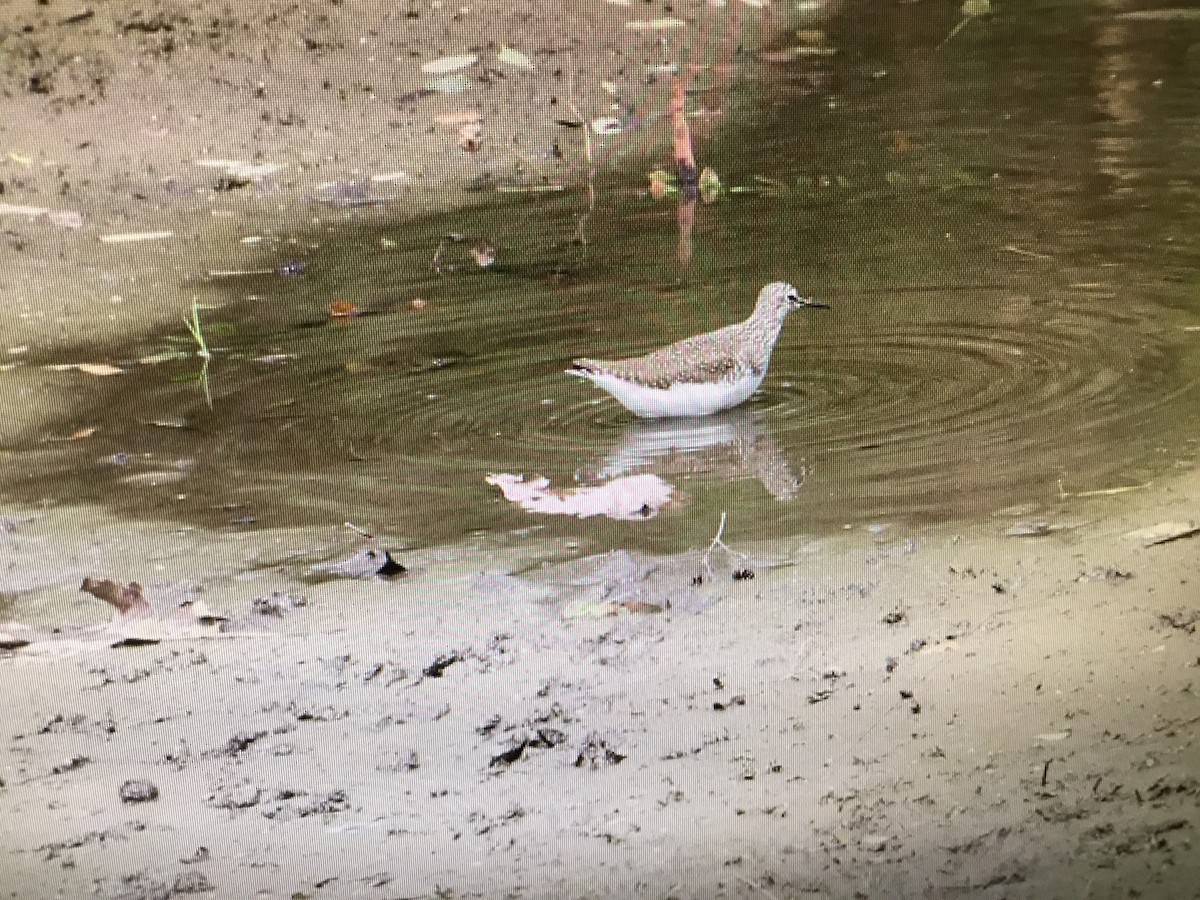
{"points": [[436, 264], [717, 542]]}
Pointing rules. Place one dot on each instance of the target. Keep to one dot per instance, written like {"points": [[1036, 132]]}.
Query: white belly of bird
{"points": [[685, 399]]}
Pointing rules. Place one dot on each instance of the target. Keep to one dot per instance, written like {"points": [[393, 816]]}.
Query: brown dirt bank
{"points": [[108, 108], [889, 715]]}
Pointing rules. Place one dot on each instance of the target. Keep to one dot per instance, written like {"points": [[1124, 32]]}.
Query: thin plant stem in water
{"points": [[202, 351], [706, 558]]}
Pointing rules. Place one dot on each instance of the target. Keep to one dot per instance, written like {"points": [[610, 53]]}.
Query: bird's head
{"points": [[782, 294]]}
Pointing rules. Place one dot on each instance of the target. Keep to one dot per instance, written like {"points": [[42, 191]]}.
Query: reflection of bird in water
{"points": [[728, 445], [704, 374]]}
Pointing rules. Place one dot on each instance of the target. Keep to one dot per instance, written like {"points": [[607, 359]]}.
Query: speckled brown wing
{"points": [[704, 357]]}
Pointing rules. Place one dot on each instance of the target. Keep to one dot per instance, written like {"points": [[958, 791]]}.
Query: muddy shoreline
{"points": [[876, 714]]}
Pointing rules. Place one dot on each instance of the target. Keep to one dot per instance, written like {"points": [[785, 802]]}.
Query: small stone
{"points": [[138, 791], [874, 843]]}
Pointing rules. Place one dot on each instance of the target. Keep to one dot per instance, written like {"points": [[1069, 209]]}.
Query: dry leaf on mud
{"points": [[136, 237], [137, 624], [242, 169], [66, 218], [127, 600], [31, 212], [449, 64], [631, 497], [1164, 532], [14, 636], [470, 136], [63, 218], [515, 58], [655, 24], [461, 117]]}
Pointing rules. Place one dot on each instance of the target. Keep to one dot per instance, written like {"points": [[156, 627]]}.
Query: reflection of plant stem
{"points": [[204, 384], [193, 327], [587, 151]]}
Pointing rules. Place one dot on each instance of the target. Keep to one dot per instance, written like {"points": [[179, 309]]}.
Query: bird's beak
{"points": [[809, 301]]}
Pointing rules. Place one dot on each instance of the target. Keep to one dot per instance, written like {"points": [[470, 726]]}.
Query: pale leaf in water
{"points": [[973, 8], [515, 58], [448, 64], [633, 497]]}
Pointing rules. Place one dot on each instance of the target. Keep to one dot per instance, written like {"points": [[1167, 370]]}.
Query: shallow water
{"points": [[1004, 225]]}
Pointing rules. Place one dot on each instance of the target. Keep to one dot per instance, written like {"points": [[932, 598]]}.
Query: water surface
{"points": [[1005, 225]]}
